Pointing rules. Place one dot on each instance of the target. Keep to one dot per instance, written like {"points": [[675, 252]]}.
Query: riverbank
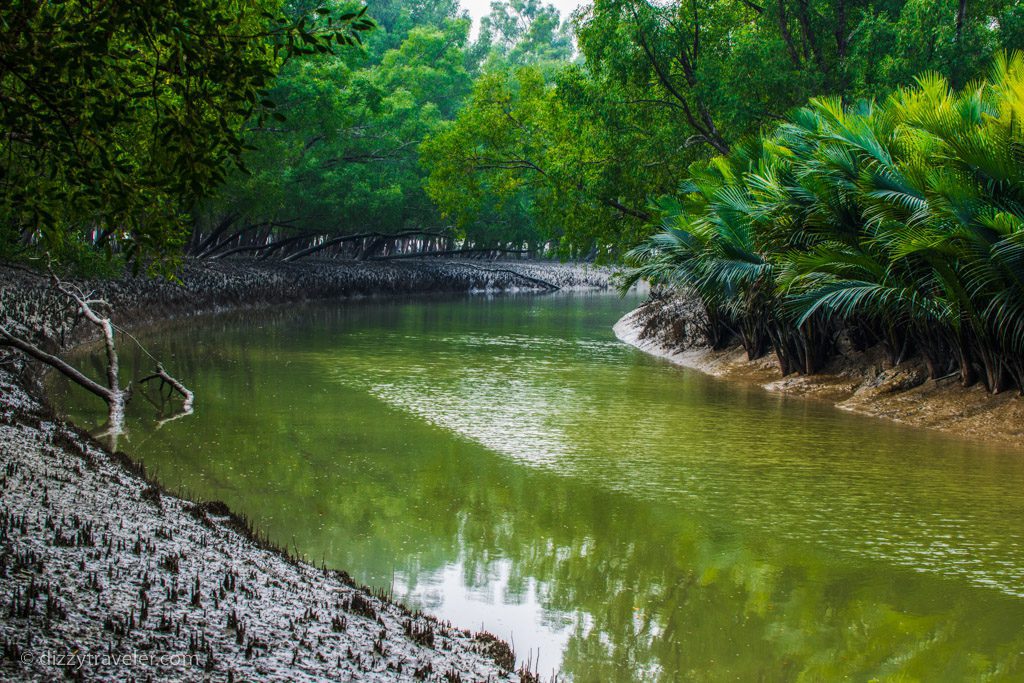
{"points": [[99, 561], [209, 286], [861, 382]]}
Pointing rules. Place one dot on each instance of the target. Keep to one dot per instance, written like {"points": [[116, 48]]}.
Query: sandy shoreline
{"points": [[858, 382], [100, 562]]}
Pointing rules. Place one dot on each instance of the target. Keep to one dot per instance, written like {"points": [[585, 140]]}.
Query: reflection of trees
{"points": [[673, 596], [657, 584]]}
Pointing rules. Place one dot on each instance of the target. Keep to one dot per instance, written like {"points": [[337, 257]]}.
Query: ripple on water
{"points": [[510, 462], [804, 473]]}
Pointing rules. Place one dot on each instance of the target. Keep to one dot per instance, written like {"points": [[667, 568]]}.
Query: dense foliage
{"points": [[899, 223], [118, 116], [660, 85], [344, 171], [218, 128], [344, 158]]}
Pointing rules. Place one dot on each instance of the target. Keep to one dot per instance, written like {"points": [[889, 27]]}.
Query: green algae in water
{"points": [[506, 463]]}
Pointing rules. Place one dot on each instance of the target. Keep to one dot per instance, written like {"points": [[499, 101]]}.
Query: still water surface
{"points": [[505, 463]]}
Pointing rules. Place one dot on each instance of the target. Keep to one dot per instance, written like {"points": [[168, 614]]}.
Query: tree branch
{"points": [[622, 208], [351, 238], [56, 363], [172, 382]]}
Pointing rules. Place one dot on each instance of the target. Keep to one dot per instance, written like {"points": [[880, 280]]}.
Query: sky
{"points": [[479, 8]]}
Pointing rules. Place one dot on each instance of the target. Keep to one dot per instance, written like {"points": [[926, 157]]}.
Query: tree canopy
{"points": [[145, 129], [659, 86], [119, 116]]}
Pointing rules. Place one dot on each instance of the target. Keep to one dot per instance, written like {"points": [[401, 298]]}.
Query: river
{"points": [[505, 463]]}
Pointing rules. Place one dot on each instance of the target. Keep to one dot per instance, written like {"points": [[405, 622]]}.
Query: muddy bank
{"points": [[103, 575], [27, 299], [862, 382]]}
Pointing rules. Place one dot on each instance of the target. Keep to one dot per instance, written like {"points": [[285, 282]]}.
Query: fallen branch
{"points": [[115, 396], [228, 221], [270, 247], [447, 252], [352, 238], [56, 363], [172, 382], [543, 283]]}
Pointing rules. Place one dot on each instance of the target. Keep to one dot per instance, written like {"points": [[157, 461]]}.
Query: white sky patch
{"points": [[480, 8]]}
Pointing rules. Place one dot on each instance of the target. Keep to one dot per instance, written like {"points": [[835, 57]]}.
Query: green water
{"points": [[506, 463]]}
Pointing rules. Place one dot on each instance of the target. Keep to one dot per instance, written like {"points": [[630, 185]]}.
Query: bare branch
{"points": [[351, 238], [56, 363], [175, 384]]}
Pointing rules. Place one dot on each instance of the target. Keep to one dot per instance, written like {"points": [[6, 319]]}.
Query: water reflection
{"points": [[507, 463]]}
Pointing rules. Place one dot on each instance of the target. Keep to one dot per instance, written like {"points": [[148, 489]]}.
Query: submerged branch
{"points": [[115, 396], [175, 385]]}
